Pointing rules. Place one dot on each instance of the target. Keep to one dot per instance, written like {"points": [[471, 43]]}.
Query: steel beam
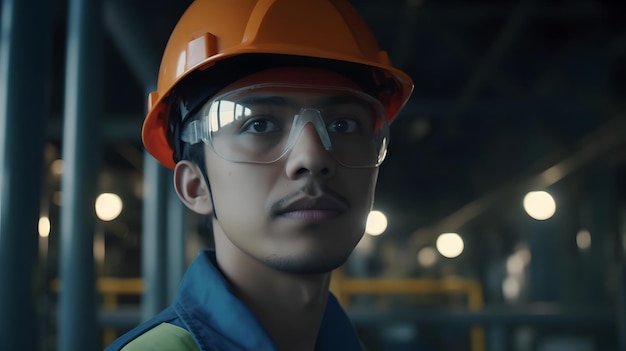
{"points": [[621, 278], [24, 50], [132, 42], [380, 13], [81, 147], [500, 46], [599, 142], [408, 27], [114, 128]]}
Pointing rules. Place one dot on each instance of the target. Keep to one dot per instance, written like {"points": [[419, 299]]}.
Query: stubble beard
{"points": [[306, 265]]}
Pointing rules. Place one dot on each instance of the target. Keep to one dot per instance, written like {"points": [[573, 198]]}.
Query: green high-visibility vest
{"points": [[163, 337]]}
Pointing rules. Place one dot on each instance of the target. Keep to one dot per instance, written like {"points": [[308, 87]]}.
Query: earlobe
{"points": [[192, 188]]}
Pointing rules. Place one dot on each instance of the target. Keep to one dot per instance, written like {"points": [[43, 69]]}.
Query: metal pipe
{"points": [[24, 49], [621, 278], [621, 305], [131, 39], [601, 141], [519, 17], [77, 303]]}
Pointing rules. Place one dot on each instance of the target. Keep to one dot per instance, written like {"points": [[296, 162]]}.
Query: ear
{"points": [[192, 188]]}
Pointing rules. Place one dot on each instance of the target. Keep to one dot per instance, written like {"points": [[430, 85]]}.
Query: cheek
{"points": [[238, 189], [359, 187], [362, 185], [244, 191]]}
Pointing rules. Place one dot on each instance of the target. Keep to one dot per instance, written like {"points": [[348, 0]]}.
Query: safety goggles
{"points": [[262, 123]]}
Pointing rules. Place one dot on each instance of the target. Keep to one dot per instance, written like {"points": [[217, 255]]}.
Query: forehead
{"points": [[313, 77], [277, 95]]}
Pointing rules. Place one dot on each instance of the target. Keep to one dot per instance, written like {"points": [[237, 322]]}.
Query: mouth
{"points": [[311, 208]]}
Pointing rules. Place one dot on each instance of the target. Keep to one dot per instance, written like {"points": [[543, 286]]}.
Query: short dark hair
{"points": [[194, 153]]}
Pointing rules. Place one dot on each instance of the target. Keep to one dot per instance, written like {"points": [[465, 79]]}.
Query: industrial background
{"points": [[510, 97]]}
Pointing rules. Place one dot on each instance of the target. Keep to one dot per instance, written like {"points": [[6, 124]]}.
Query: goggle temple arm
{"points": [[193, 132]]}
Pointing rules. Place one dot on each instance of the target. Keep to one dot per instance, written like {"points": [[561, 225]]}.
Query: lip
{"points": [[312, 209]]}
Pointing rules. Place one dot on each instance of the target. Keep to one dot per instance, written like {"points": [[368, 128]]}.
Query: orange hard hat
{"points": [[214, 31]]}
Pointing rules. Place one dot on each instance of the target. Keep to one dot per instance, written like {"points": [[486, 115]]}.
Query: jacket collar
{"points": [[217, 318]]}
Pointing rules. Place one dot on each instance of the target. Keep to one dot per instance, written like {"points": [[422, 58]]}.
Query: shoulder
{"points": [[163, 337]]}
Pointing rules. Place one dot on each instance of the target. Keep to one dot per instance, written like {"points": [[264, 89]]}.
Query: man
{"points": [[274, 116]]}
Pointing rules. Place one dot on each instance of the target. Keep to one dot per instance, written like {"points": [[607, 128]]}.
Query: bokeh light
{"points": [[56, 167], [376, 223], [450, 245], [515, 264], [427, 256], [583, 239], [44, 226], [540, 205], [108, 206], [511, 288]]}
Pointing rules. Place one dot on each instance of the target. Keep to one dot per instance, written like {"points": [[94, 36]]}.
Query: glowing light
{"points": [[524, 253], [539, 205], [56, 167], [450, 245], [99, 248], [376, 223], [511, 288], [427, 256], [44, 227], [108, 206], [515, 264], [583, 239]]}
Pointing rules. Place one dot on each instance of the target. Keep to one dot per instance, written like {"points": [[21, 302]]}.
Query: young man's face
{"points": [[305, 211]]}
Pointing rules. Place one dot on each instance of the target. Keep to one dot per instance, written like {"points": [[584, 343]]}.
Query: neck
{"points": [[289, 306]]}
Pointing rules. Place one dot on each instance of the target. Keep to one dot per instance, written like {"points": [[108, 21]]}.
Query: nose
{"points": [[308, 157]]}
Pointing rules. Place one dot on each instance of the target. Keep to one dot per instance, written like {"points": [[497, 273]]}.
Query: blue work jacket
{"points": [[217, 320]]}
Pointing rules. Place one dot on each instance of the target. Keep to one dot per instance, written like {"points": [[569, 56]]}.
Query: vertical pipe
{"points": [[175, 243], [497, 337], [153, 260], [25, 43], [131, 40], [544, 266], [603, 229], [621, 304], [621, 279], [77, 317]]}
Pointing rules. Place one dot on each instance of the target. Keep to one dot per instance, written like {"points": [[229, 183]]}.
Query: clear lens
{"points": [[261, 123]]}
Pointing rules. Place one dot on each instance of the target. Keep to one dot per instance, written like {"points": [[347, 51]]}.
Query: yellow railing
{"points": [[344, 287], [111, 289]]}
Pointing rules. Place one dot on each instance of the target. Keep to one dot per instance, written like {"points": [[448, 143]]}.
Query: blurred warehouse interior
{"points": [[511, 97]]}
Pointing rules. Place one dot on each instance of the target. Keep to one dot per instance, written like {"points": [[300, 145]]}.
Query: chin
{"points": [[306, 264]]}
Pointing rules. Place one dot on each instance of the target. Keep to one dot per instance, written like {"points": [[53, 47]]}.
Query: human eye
{"points": [[259, 125], [343, 125]]}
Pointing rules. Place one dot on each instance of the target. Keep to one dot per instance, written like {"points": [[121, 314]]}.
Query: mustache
{"points": [[312, 189]]}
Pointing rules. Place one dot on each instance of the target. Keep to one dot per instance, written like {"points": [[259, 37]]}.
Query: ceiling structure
{"points": [[509, 96]]}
